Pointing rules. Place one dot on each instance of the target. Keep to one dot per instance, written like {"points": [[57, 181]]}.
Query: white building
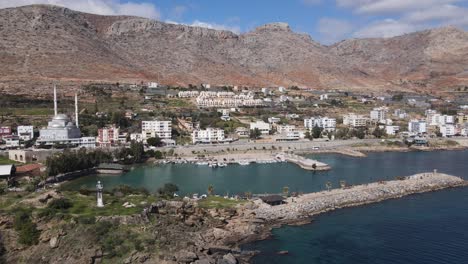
{"points": [[209, 135], [354, 120], [138, 137], [153, 85], [281, 89], [323, 97], [379, 114], [328, 124], [262, 126], [392, 130], [285, 128], [274, 120], [25, 133], [417, 126], [447, 130], [188, 94], [162, 129], [62, 131]]}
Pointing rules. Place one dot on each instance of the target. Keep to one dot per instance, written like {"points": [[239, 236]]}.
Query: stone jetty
{"points": [[305, 163], [316, 203]]}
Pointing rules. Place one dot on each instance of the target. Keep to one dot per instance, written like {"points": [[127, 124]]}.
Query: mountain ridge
{"points": [[40, 43]]}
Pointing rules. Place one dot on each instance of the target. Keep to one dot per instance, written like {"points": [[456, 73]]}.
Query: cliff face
{"points": [[41, 43]]}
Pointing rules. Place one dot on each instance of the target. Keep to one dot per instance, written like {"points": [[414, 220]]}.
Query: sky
{"points": [[327, 21]]}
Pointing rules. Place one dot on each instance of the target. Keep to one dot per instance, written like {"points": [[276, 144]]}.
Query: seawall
{"points": [[316, 203]]}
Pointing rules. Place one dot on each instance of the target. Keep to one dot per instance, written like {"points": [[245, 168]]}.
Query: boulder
{"points": [[54, 242], [186, 256]]}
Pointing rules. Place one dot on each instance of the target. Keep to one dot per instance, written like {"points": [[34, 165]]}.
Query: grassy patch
{"points": [[179, 103], [218, 202], [6, 161], [30, 111]]}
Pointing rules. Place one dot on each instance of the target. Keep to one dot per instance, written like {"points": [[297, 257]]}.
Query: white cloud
{"points": [[101, 7], [386, 29], [390, 6], [333, 30], [403, 16]]}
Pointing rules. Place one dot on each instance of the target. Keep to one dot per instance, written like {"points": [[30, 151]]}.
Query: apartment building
{"points": [[207, 136], [162, 129]]}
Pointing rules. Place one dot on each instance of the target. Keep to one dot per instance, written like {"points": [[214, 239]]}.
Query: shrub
{"points": [[60, 204], [27, 230], [168, 190]]}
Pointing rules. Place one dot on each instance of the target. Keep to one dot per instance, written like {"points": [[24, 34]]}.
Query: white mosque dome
{"points": [[61, 117]]}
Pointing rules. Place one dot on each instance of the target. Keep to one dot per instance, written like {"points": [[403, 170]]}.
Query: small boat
{"points": [[202, 163], [222, 164], [213, 165], [244, 163]]}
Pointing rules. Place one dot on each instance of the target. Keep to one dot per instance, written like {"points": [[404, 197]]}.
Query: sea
{"points": [[423, 228]]}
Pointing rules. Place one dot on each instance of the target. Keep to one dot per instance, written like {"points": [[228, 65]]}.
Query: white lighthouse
{"points": [[99, 188]]}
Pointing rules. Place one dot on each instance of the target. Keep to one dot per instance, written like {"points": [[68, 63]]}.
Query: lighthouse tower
{"points": [[99, 188]]}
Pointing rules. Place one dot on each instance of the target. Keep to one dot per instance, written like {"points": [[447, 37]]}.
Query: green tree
{"points": [[379, 132], [167, 190], [316, 132], [137, 151], [308, 135], [154, 141], [255, 133], [158, 155], [285, 190]]}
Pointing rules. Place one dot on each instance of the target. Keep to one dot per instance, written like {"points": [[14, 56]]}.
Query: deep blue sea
{"points": [[424, 228]]}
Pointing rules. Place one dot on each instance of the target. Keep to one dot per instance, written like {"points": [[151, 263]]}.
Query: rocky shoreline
{"points": [[254, 221]]}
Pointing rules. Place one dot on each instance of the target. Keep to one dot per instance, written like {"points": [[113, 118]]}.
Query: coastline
{"points": [[256, 220]]}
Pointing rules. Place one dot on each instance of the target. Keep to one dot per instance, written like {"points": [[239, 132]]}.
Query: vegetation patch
{"points": [[218, 202]]}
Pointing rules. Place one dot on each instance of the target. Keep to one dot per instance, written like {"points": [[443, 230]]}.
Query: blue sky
{"points": [[327, 21]]}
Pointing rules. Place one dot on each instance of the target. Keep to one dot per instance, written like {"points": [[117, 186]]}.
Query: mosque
{"points": [[61, 130]]}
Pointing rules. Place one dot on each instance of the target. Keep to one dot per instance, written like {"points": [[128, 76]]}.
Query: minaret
{"points": [[99, 188], [76, 110], [55, 100]]}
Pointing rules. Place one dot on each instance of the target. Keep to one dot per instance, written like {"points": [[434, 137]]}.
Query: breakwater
{"points": [[305, 163], [319, 202]]}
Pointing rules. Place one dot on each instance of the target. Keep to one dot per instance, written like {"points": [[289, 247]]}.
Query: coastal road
{"points": [[280, 146]]}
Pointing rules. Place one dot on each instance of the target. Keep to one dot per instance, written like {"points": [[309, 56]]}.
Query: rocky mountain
{"points": [[42, 43]]}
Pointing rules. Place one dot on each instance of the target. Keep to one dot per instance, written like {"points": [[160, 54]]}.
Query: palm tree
{"points": [[210, 190], [285, 190], [328, 185]]}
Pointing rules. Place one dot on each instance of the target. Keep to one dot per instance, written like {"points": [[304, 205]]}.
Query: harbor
{"points": [[244, 159]]}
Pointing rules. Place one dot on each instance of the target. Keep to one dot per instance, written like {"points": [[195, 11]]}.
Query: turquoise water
{"points": [[271, 178], [425, 228]]}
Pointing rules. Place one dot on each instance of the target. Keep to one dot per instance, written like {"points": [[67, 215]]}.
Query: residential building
{"points": [[288, 136], [379, 114], [392, 130], [11, 141], [207, 136], [243, 132], [153, 85], [188, 94], [323, 97], [25, 133], [162, 129], [138, 137], [108, 136], [262, 126], [328, 124], [417, 126], [401, 114], [354, 120], [447, 130], [462, 118], [285, 128], [274, 120], [282, 89], [5, 131]]}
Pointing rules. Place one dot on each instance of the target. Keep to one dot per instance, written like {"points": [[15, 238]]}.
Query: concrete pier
{"points": [[305, 163]]}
